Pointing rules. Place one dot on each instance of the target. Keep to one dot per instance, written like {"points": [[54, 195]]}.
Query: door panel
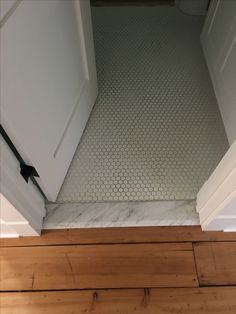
{"points": [[49, 83], [219, 45]]}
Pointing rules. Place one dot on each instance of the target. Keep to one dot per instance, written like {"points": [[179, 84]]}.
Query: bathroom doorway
{"points": [[155, 133]]}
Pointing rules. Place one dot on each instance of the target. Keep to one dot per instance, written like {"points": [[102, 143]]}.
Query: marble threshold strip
{"points": [[121, 214]]}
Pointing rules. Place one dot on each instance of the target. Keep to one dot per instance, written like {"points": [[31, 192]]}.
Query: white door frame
{"points": [[22, 206], [216, 199], [12, 223]]}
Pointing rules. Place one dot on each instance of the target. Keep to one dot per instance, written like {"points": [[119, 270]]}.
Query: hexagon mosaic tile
{"points": [[155, 132]]}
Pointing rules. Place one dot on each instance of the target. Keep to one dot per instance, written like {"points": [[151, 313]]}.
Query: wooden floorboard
{"points": [[216, 263], [93, 267], [155, 301], [154, 263], [120, 235]]}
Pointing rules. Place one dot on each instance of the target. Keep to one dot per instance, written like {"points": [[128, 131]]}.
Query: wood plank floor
{"points": [[157, 301], [160, 270], [216, 263], [103, 266], [121, 235]]}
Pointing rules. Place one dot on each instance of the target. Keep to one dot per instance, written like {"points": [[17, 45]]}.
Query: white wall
{"points": [[219, 45]]}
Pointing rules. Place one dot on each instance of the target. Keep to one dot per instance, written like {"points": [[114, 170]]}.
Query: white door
{"points": [[48, 83], [219, 45]]}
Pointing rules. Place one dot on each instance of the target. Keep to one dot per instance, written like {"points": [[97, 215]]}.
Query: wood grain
{"points": [[216, 263], [120, 235], [98, 266], [159, 301]]}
